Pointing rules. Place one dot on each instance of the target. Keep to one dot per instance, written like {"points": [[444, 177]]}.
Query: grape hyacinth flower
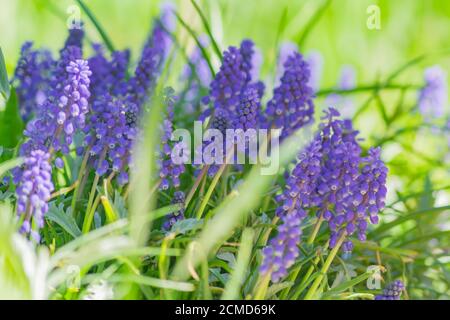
{"points": [[31, 79], [109, 138], [62, 113], [315, 62], [108, 76], [118, 71], [334, 180], [178, 198], [75, 37], [286, 49], [247, 110], [292, 106], [282, 250], [34, 186], [170, 170], [299, 194], [72, 105], [433, 98], [233, 76], [392, 292], [152, 58]]}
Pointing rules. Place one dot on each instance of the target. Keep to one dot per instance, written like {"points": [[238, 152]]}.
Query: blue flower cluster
{"points": [[433, 98], [170, 170], [292, 106], [34, 185], [393, 291], [345, 188], [178, 198], [31, 78]]}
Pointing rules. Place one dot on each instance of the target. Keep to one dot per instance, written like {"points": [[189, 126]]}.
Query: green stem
{"points": [[90, 216], [316, 229], [210, 190], [262, 285], [80, 176], [92, 194], [365, 88], [312, 290], [214, 183], [195, 186]]}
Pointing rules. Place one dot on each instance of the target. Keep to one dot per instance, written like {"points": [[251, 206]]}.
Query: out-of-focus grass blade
{"points": [[4, 84], [312, 22], [97, 25], [142, 172], [208, 30], [281, 26], [390, 251], [385, 227], [10, 164], [239, 204], [202, 49], [243, 258], [153, 282], [424, 238]]}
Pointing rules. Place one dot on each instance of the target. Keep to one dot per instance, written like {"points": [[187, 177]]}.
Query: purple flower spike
{"points": [[392, 292], [292, 106], [233, 76], [34, 186], [247, 110], [31, 79], [109, 137], [332, 178], [178, 198], [170, 168], [433, 98], [282, 250]]}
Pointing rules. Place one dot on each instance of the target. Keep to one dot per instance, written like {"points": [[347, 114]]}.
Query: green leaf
{"points": [[186, 225], [275, 288], [64, 219], [11, 124], [4, 83], [347, 284], [119, 205]]}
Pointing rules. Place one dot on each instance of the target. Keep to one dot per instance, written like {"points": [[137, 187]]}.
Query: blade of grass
{"points": [[387, 226], [4, 84], [347, 284], [202, 49], [97, 25], [208, 30], [237, 277], [312, 22]]}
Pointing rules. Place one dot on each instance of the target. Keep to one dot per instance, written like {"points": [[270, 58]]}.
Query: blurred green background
{"points": [[408, 28]]}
